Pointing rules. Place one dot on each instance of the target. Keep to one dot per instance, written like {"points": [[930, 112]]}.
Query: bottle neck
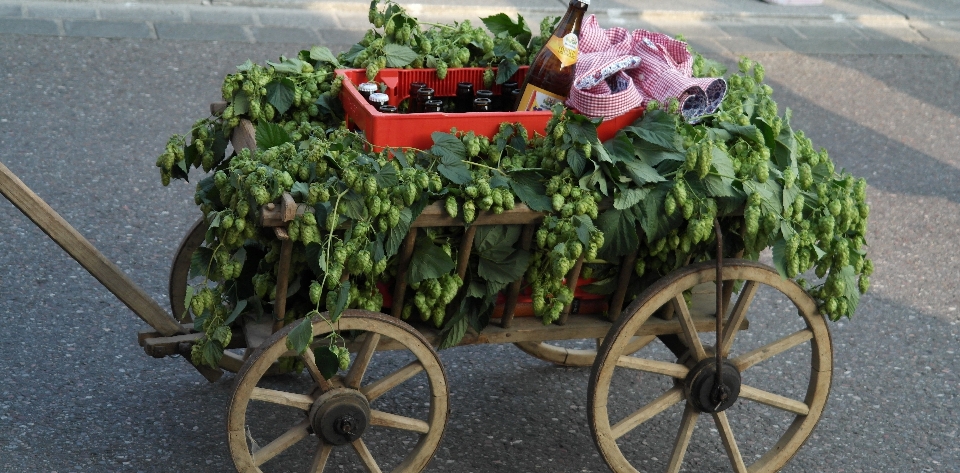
{"points": [[570, 23]]}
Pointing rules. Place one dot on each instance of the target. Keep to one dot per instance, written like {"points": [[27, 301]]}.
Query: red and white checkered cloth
{"points": [[664, 71]]}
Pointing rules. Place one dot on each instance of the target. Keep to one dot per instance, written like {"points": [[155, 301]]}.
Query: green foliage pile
{"points": [[657, 187]]}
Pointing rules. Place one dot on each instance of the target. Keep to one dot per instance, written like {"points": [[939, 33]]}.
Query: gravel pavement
{"points": [[82, 119]]}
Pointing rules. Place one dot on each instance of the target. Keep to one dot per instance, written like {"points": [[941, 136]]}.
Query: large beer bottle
{"points": [[550, 76]]}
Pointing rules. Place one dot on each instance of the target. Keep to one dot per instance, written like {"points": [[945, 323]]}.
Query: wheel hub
{"points": [[340, 416], [703, 391]]}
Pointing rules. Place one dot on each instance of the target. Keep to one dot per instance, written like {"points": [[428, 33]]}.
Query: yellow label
{"points": [[566, 49], [536, 99]]}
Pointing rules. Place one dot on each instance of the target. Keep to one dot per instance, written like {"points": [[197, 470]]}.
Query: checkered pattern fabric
{"points": [[665, 71]]}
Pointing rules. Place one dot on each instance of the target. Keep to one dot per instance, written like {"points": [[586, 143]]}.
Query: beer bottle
{"points": [[550, 76]]}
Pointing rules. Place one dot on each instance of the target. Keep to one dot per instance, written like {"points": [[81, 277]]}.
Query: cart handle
{"points": [[81, 250]]}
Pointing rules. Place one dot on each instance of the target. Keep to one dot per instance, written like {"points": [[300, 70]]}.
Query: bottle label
{"points": [[566, 48], [535, 99]]}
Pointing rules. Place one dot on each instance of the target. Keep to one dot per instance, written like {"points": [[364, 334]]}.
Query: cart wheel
{"points": [[180, 271], [344, 410], [783, 364], [573, 357]]}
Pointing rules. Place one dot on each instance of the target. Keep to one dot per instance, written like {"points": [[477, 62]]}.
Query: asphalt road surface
{"points": [[82, 120]]}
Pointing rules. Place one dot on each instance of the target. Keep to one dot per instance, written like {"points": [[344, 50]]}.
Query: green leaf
{"points": [[211, 352], [428, 262], [528, 186], [241, 103], [576, 160], [343, 297], [398, 55], [779, 256], [850, 291], [620, 148], [287, 65], [200, 262], [280, 94], [242, 304], [628, 197], [748, 132], [396, 234], [387, 177], [598, 179], [507, 68], [501, 23], [723, 164], [454, 331], [584, 226], [301, 336], [496, 241], [246, 66], [619, 232], [352, 206], [300, 190], [270, 135], [452, 152], [641, 173], [582, 129], [653, 220], [505, 270], [771, 193], [658, 128], [327, 361], [785, 153], [323, 54]]}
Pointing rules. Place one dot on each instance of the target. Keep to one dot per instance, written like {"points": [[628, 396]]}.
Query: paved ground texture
{"points": [[89, 92]]}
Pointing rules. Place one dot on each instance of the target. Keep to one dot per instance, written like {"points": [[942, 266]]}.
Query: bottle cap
{"points": [[377, 99], [367, 88], [388, 109], [432, 106]]}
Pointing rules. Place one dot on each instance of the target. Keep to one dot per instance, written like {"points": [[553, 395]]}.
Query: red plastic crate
{"points": [[413, 130]]}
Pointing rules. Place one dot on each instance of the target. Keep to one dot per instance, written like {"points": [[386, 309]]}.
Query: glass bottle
{"points": [[481, 104], [366, 89], [412, 103], [464, 97], [550, 76], [423, 95], [378, 100], [507, 99], [432, 106]]}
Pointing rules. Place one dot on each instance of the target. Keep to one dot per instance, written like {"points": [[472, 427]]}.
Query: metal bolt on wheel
{"points": [[779, 377]]}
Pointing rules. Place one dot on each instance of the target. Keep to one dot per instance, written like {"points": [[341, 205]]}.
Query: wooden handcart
{"points": [[395, 393]]}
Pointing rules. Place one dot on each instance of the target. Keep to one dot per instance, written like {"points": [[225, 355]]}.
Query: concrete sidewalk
{"points": [[735, 26]]}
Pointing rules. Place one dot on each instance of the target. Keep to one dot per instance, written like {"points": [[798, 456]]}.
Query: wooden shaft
{"points": [[400, 287], [81, 250], [513, 293], [283, 276], [623, 282], [463, 256]]}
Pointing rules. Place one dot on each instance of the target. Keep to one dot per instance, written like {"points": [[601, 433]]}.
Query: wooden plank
{"points": [[434, 215], [531, 329], [81, 250]]}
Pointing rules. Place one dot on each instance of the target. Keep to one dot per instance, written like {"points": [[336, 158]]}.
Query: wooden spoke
{"points": [[320, 458], [281, 443], [771, 349], [604, 393], [365, 456], [737, 315], [774, 400], [283, 398], [673, 370], [360, 364], [385, 419], [385, 384], [729, 443], [687, 424], [311, 363], [645, 413], [689, 329]]}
